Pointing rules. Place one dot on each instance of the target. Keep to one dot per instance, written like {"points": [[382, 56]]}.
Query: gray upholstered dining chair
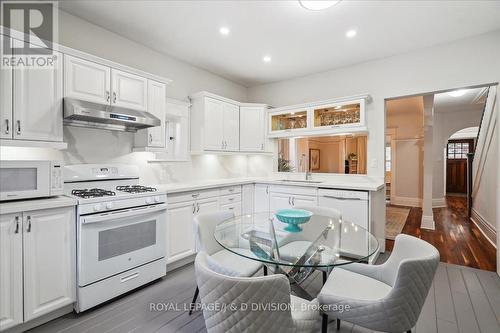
{"points": [[232, 264], [387, 297], [297, 247], [251, 304]]}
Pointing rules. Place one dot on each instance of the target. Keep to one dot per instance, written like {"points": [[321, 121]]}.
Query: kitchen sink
{"points": [[301, 181]]}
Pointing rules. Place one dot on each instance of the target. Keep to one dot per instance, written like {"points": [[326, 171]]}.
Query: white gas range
{"points": [[120, 231]]}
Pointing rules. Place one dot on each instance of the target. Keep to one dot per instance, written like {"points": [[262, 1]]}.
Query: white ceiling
{"points": [[299, 41], [472, 100]]}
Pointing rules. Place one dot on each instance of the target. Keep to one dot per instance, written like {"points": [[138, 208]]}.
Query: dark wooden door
{"points": [[456, 165]]}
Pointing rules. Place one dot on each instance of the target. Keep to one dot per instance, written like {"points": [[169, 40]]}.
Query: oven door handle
{"points": [[123, 213]]}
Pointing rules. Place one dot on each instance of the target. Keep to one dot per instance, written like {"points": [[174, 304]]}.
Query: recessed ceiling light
{"points": [[351, 33], [317, 4], [224, 31], [266, 58], [457, 93]]}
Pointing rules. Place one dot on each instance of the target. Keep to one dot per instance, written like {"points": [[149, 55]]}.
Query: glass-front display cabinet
{"points": [[289, 121], [335, 116]]}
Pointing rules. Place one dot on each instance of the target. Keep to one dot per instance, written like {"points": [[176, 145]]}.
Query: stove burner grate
{"points": [[92, 193], [135, 189]]}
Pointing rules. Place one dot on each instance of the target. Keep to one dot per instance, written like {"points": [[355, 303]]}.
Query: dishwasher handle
{"points": [[123, 213]]}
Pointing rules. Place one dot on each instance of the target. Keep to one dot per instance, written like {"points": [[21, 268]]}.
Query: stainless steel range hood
{"points": [[87, 114]]}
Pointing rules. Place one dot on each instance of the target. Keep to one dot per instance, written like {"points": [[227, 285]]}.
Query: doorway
{"points": [[456, 166]]}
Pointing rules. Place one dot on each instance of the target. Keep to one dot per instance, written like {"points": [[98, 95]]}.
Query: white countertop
{"points": [[360, 184], [35, 204]]}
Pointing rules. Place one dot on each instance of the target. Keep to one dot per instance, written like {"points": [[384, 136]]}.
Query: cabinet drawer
{"points": [[235, 207], [192, 195], [229, 199], [230, 190]]}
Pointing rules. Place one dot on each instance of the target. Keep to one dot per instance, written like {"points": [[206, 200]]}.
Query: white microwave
{"points": [[30, 179]]}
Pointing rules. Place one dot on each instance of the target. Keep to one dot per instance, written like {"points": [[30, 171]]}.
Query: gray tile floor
{"points": [[462, 299]]}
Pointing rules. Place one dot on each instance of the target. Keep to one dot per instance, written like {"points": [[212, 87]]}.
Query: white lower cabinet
{"points": [[284, 197], [11, 268], [247, 198], [261, 198], [37, 247], [49, 267], [180, 231]]}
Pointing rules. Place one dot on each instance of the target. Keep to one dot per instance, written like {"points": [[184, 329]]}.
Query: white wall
{"points": [[462, 63]]}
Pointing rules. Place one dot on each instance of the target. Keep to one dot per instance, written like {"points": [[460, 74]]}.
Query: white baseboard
{"points": [[438, 202], [428, 222], [406, 201], [485, 227]]}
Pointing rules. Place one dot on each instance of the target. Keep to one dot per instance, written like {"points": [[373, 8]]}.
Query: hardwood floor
{"points": [[458, 240]]}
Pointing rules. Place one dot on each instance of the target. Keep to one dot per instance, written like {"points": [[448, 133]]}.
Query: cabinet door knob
{"points": [[197, 207], [18, 127], [107, 96], [114, 96], [7, 129], [150, 138], [194, 208]]}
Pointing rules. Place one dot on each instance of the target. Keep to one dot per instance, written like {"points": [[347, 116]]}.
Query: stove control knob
{"points": [[97, 207], [157, 199], [109, 205], [149, 200]]}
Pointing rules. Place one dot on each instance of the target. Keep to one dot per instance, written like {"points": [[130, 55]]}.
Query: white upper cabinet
{"points": [[231, 127], [5, 103], [154, 137], [93, 82], [252, 128], [49, 266], [37, 102], [87, 80], [214, 125], [157, 94], [11, 268], [129, 90]]}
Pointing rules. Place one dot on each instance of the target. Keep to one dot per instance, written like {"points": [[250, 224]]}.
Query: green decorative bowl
{"points": [[293, 217]]}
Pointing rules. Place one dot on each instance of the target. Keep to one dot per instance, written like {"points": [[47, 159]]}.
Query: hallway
{"points": [[458, 240]]}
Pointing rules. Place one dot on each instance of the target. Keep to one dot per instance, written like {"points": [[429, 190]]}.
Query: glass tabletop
{"points": [[321, 242]]}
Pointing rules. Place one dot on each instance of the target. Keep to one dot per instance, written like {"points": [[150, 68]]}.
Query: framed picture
{"points": [[314, 159]]}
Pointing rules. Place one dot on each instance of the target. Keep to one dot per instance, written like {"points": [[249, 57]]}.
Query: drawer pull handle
{"points": [[29, 224], [129, 277]]}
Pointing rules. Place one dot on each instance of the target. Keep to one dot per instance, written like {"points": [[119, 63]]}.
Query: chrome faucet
{"points": [[308, 171]]}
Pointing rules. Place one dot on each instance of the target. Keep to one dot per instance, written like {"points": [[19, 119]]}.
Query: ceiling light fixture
{"points": [[457, 93], [351, 33], [317, 4], [224, 31], [266, 58]]}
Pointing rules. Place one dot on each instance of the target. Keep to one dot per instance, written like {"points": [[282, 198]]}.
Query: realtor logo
{"points": [[34, 28]]}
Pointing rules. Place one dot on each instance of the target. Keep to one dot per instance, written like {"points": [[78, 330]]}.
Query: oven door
{"points": [[113, 242], [24, 179]]}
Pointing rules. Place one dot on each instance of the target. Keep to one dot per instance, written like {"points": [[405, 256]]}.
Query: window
{"points": [[457, 150], [388, 158]]}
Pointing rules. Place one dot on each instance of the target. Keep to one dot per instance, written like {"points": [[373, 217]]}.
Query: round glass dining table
{"points": [[321, 243]]}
